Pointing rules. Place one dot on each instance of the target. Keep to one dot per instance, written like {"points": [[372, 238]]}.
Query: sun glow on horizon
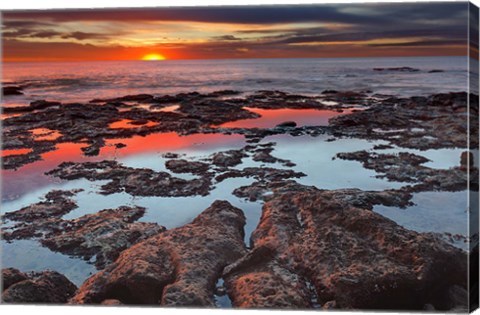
{"points": [[153, 57]]}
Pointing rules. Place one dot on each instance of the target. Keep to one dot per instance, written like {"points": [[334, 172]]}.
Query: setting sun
{"points": [[153, 57]]}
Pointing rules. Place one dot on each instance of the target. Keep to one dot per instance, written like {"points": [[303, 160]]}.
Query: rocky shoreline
{"points": [[313, 248]]}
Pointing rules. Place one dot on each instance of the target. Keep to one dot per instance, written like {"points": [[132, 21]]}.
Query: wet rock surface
{"points": [[101, 235], [36, 287], [179, 267], [11, 276], [353, 257], [437, 121], [407, 167], [57, 204], [134, 181], [97, 238]]}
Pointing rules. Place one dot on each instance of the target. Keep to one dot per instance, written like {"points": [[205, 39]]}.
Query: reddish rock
{"points": [[178, 267], [353, 257], [102, 235], [11, 276], [40, 287]]}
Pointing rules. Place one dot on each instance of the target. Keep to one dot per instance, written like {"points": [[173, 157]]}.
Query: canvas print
{"points": [[318, 156]]}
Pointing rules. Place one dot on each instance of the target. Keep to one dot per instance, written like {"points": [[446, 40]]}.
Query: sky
{"points": [[295, 31]]}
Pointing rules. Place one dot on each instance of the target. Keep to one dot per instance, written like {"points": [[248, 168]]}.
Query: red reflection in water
{"points": [[127, 124], [41, 134], [14, 152], [165, 142], [31, 176], [272, 117]]}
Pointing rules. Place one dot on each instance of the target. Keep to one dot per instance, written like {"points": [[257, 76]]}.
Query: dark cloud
{"points": [[84, 35], [226, 38], [339, 13], [299, 37], [441, 25], [44, 34], [422, 43], [23, 24]]}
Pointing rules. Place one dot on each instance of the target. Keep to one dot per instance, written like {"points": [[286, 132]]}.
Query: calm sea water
{"points": [[83, 81]]}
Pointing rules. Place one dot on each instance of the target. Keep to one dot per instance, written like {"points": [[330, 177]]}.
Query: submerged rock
{"points": [[352, 257], [407, 167], [135, 181], [178, 267], [101, 236], [56, 205], [184, 166], [287, 124], [38, 287]]}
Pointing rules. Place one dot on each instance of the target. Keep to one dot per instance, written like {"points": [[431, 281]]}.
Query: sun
{"points": [[153, 57]]}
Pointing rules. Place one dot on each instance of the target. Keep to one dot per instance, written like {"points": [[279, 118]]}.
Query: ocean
{"points": [[83, 81]]}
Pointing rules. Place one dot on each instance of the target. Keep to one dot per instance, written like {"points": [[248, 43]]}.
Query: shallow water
{"points": [[439, 212], [29, 255], [443, 212]]}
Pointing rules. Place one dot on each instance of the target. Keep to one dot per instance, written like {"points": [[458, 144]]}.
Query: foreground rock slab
{"points": [[36, 287], [177, 267], [327, 249]]}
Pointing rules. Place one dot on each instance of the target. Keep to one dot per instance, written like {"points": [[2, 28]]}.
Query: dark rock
{"points": [[134, 181], [400, 69], [223, 93], [382, 147], [11, 276], [102, 235], [287, 124], [466, 159], [12, 90], [441, 118], [170, 155], [184, 166], [261, 173], [177, 267], [436, 71], [40, 287], [407, 167], [56, 205], [329, 92], [228, 158]]}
